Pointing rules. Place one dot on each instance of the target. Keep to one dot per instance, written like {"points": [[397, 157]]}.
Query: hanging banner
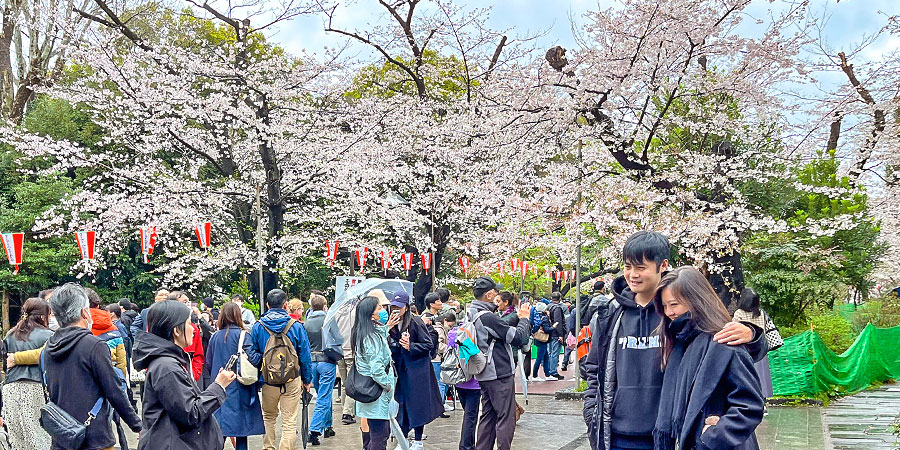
{"points": [[148, 242], [386, 260], [565, 275], [514, 264], [407, 262], [558, 275], [548, 273], [12, 245], [331, 250], [85, 241], [573, 275], [501, 267], [464, 263], [524, 268], [426, 262], [361, 258], [204, 233], [534, 270]]}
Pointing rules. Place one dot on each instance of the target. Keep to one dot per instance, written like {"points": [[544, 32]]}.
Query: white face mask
{"points": [[54, 325]]}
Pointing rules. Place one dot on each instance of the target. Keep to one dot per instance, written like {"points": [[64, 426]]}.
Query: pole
{"points": [[578, 276], [259, 249]]}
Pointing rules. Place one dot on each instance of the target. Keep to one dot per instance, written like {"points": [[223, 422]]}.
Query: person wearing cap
{"points": [[496, 339], [412, 346]]}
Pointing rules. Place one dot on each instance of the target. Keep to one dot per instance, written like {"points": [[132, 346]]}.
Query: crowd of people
{"points": [[660, 344]]}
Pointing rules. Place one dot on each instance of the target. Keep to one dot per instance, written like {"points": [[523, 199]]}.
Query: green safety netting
{"points": [[805, 366]]}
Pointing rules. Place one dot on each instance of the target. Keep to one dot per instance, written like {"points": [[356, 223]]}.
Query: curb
{"points": [[569, 394]]}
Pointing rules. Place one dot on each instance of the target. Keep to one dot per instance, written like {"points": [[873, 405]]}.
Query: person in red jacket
{"points": [[196, 347]]}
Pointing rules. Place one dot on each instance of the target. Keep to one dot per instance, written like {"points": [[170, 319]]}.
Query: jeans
{"points": [[441, 386], [323, 377], [241, 443], [542, 358], [470, 400], [498, 414], [273, 401], [553, 348]]}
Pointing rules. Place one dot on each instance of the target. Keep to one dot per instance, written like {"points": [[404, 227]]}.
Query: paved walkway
{"points": [[863, 421], [860, 422]]}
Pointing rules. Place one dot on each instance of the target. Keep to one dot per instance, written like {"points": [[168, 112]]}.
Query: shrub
{"points": [[836, 332]]}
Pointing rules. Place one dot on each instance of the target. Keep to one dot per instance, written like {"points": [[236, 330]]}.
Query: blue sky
{"points": [[850, 21]]}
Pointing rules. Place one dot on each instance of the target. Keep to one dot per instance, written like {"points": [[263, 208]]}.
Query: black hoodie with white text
{"points": [[639, 375]]}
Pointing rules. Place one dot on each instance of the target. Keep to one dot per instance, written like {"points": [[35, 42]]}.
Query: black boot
{"points": [[329, 432], [314, 438]]}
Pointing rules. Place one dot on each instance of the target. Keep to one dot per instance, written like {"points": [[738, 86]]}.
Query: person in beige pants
{"points": [[347, 403]]}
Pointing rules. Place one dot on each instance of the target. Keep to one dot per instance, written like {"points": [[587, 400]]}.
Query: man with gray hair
{"points": [[79, 372]]}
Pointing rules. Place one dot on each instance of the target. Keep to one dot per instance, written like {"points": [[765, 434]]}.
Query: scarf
{"points": [[677, 384]]}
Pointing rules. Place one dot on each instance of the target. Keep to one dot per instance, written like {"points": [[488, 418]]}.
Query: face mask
{"points": [[382, 317], [54, 325]]}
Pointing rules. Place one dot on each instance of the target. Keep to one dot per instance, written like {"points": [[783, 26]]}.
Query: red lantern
{"points": [[85, 241], [12, 245]]}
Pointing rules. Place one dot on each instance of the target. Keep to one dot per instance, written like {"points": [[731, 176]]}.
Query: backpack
{"points": [[583, 345], [476, 363], [280, 364], [452, 372]]}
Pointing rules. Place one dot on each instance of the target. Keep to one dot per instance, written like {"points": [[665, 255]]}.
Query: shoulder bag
{"points": [[59, 424], [248, 373]]}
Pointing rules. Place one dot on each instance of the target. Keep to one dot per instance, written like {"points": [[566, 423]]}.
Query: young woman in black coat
{"points": [[176, 414], [417, 392], [710, 397]]}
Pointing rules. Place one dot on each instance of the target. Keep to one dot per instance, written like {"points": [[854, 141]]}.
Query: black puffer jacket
{"points": [[177, 415]]}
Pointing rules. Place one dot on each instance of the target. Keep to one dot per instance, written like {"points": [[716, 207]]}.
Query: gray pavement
{"points": [[860, 422]]}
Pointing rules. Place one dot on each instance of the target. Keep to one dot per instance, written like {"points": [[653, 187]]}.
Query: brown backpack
{"points": [[280, 364]]}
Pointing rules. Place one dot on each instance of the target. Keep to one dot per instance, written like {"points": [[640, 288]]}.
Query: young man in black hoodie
{"points": [[623, 368], [79, 370]]}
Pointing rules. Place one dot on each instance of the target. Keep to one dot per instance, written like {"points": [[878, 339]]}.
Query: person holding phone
{"points": [[241, 414], [176, 413], [412, 346]]}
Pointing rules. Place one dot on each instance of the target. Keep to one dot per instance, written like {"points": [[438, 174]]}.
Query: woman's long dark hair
{"points": [[230, 315], [165, 316], [35, 314], [689, 286], [363, 326], [749, 302]]}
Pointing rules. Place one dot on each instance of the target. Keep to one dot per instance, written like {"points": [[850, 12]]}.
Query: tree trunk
{"points": [[730, 282], [6, 70], [5, 310]]}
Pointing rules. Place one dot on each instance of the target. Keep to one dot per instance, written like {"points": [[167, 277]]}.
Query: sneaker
{"points": [[448, 407], [417, 445], [329, 432], [558, 376], [347, 419], [314, 438], [537, 379], [444, 416]]}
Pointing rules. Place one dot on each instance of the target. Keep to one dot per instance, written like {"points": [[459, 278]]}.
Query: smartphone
{"points": [[229, 366], [406, 334]]}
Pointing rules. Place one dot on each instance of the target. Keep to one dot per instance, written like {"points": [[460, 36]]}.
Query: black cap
{"points": [[484, 284], [599, 285]]}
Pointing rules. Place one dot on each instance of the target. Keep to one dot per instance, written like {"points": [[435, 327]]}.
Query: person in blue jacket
{"points": [[541, 321], [286, 397], [711, 397], [241, 414]]}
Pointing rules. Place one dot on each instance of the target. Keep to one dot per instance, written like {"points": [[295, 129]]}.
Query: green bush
{"points": [[836, 332], [883, 313]]}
